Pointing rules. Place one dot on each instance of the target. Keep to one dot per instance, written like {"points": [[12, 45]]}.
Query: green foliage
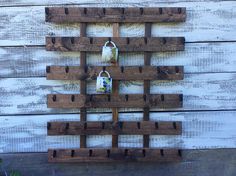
{"points": [[14, 173]]}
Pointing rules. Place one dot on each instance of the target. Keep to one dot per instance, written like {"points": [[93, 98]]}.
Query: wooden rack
{"points": [[84, 72]]}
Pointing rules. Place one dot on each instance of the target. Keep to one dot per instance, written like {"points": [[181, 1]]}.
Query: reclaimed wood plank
{"points": [[208, 91], [200, 130], [205, 57], [114, 15], [113, 155], [124, 44], [198, 27], [116, 72], [114, 128], [215, 162], [114, 101]]}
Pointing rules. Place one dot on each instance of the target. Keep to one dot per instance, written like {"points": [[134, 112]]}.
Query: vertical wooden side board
{"points": [[146, 44], [83, 85]]}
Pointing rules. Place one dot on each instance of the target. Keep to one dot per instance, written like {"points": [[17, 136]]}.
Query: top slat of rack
{"points": [[113, 15]]}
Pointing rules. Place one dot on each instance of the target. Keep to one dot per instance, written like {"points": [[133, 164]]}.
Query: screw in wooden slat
{"points": [[90, 153], [109, 98], [141, 11], [144, 152], [140, 69], [72, 40], [156, 125], [138, 125], [123, 11], [48, 69], [54, 153], [126, 97], [103, 125], [54, 98], [67, 126], [158, 70], [162, 97], [177, 69], [162, 152], [127, 40], [66, 11], [91, 98], [53, 40], [108, 153], [160, 11], [126, 152], [47, 11], [180, 153], [164, 40], [67, 69], [174, 125], [181, 97], [85, 11], [72, 153], [85, 125], [145, 40], [179, 10], [145, 97], [72, 98], [48, 125], [91, 40], [122, 69], [103, 11], [104, 68]]}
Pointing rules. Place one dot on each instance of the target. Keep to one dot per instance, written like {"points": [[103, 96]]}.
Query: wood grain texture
{"points": [[114, 15], [114, 101], [116, 72], [114, 128], [124, 44], [200, 130], [209, 91], [26, 25], [197, 58], [216, 162], [113, 155]]}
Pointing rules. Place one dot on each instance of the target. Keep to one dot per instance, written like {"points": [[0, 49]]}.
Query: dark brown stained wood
{"points": [[146, 86], [114, 15], [112, 101], [115, 128], [116, 72], [124, 44], [114, 155], [115, 88], [83, 85]]}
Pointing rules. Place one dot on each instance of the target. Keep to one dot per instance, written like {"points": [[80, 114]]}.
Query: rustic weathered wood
{"points": [[114, 15], [216, 162], [83, 85], [114, 128], [124, 44], [112, 101], [114, 155], [116, 72], [146, 88], [205, 57], [115, 86]]}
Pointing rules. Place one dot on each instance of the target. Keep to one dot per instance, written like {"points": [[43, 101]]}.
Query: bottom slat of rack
{"points": [[114, 155]]}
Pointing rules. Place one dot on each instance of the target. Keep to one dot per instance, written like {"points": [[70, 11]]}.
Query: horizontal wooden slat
{"points": [[113, 155], [124, 44], [112, 15], [111, 101], [114, 128], [117, 73]]}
